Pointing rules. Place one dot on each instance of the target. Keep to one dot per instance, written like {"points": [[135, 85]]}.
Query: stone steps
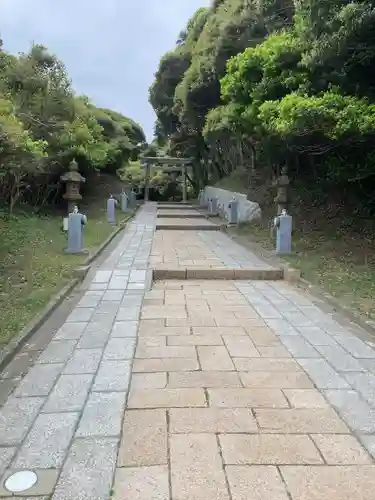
{"points": [[218, 274], [182, 215]]}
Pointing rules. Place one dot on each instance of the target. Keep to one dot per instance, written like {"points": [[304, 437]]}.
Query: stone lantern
{"points": [[281, 183], [72, 179]]}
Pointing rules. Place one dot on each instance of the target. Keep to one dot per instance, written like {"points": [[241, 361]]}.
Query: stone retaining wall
{"points": [[247, 210]]}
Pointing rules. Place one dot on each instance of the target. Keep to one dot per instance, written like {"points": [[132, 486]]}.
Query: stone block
{"points": [[113, 376], [269, 364], [322, 374], [247, 398], [144, 439], [142, 483], [299, 347], [102, 415], [88, 471], [268, 449], [335, 483], [164, 398], [124, 329], [39, 380], [341, 449], [301, 421], [144, 352], [305, 398], [119, 348], [47, 443], [211, 420], [215, 358], [264, 482], [239, 346], [149, 380], [70, 331], [165, 365], [291, 274], [196, 467], [219, 379], [353, 409], [83, 361], [194, 340], [69, 394], [271, 379], [16, 417]]}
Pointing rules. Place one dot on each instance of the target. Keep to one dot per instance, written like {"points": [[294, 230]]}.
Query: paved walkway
{"points": [[193, 390]]}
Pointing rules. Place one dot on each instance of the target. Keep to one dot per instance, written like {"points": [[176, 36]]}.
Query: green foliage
{"points": [[44, 125], [274, 81]]}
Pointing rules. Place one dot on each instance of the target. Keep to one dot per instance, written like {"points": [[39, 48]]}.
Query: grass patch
{"points": [[344, 266], [33, 266]]}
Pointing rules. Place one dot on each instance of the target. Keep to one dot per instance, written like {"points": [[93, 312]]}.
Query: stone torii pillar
{"points": [[147, 166], [184, 186]]}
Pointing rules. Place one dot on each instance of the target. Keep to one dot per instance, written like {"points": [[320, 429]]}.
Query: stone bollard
{"points": [[132, 199], [111, 210], [233, 212], [124, 202], [201, 198], [283, 224], [76, 223], [212, 206]]}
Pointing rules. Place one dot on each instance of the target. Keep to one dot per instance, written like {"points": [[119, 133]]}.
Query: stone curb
{"points": [[218, 274], [11, 349], [8, 352], [349, 314]]}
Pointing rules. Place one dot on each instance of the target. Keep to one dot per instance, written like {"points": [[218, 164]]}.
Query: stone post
{"points": [[184, 186], [283, 224], [111, 210], [233, 212], [147, 181], [124, 202], [75, 232]]}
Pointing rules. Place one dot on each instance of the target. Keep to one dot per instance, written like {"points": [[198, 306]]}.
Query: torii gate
{"points": [[167, 164]]}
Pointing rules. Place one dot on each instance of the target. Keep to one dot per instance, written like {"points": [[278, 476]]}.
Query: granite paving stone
{"points": [[336, 483], [144, 438], [102, 415], [353, 409], [39, 380], [47, 442], [80, 314], [88, 471], [119, 348], [355, 346], [83, 361], [69, 394], [70, 331], [6, 456], [196, 467], [16, 417], [341, 449], [113, 376], [142, 483], [264, 482], [268, 449], [124, 329], [322, 374]]}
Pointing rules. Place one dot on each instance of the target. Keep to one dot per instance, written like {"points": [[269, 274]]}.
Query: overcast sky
{"points": [[111, 48]]}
